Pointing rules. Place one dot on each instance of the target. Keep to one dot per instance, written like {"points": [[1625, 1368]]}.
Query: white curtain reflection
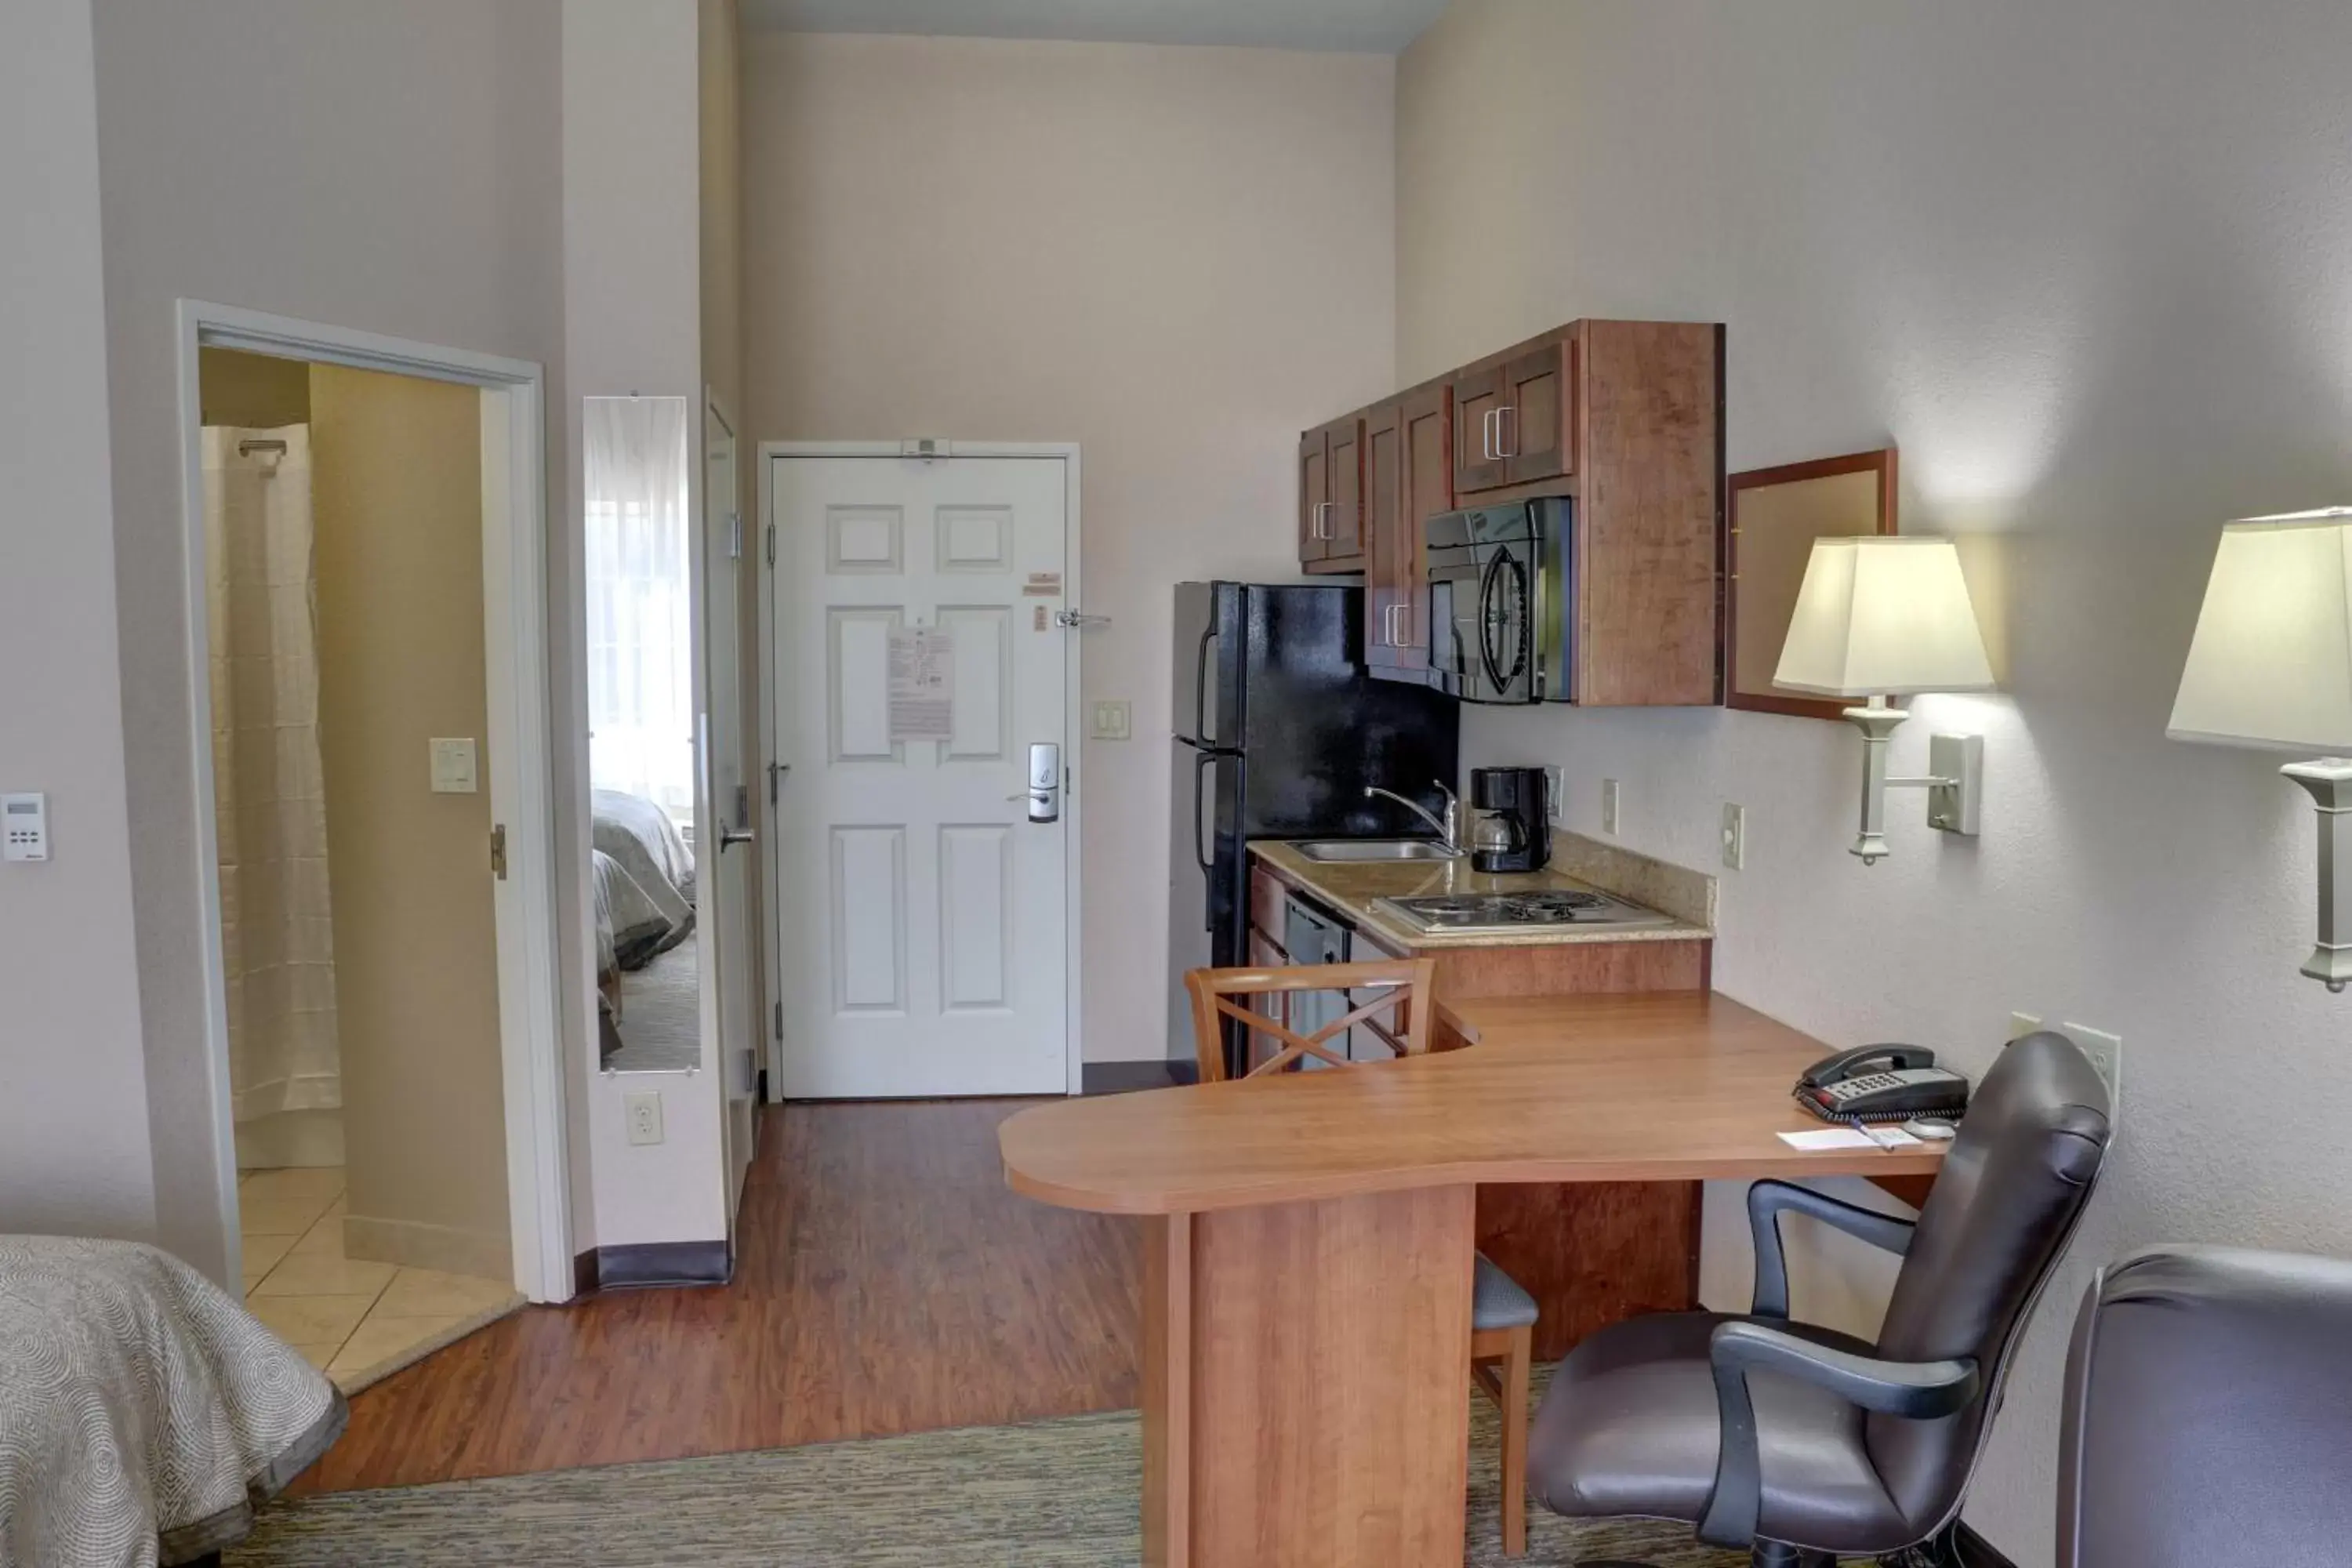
{"points": [[640, 627]]}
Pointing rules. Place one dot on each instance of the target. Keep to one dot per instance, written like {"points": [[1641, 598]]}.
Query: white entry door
{"points": [[923, 920]]}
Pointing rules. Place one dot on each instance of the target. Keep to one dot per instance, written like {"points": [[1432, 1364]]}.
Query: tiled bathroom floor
{"points": [[348, 1315]]}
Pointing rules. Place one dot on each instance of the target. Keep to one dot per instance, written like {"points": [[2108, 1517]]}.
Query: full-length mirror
{"points": [[642, 748]]}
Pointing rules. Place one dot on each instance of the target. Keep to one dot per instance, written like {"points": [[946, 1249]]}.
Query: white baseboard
{"points": [[485, 1255]]}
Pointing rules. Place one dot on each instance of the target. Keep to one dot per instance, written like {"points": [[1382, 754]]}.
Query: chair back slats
{"points": [[1404, 987]]}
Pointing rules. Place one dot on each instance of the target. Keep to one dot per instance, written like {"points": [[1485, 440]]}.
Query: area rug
{"points": [[1052, 1494]]}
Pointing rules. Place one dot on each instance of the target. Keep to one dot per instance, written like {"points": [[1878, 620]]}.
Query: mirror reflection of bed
{"points": [[648, 986], [642, 756]]}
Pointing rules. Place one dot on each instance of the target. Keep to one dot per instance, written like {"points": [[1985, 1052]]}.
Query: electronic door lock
{"points": [[1044, 794]]}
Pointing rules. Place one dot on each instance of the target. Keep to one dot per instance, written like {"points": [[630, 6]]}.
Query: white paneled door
{"points": [[923, 918]]}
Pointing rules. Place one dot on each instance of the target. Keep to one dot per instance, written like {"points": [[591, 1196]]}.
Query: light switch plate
{"points": [[454, 768], [2107, 1054], [1735, 836], [644, 1110], [24, 826], [1113, 722], [1555, 789], [1609, 795]]}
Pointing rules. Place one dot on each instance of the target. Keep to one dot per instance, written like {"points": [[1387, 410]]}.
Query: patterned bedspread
{"points": [[142, 1411]]}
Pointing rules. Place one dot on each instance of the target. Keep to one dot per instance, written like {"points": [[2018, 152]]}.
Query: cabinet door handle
{"points": [[1402, 636], [1487, 436], [1387, 627], [1499, 451], [1323, 529]]}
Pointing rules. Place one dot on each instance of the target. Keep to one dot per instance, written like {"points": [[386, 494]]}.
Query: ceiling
{"points": [[1368, 27]]}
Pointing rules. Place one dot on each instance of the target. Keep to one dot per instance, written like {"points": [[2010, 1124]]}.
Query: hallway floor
{"points": [[886, 1281], [349, 1315]]}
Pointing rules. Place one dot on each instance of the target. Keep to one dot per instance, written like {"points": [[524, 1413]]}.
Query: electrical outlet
{"points": [[644, 1110], [1555, 791], [1609, 794], [2107, 1054], [1113, 722], [1735, 836]]}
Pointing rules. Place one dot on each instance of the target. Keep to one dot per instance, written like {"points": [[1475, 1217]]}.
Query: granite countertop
{"points": [[1578, 865]]}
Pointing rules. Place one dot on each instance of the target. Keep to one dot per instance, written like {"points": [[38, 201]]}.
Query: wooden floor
{"points": [[885, 1282]]}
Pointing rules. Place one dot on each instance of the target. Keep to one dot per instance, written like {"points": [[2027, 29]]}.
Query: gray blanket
{"points": [[142, 1411]]}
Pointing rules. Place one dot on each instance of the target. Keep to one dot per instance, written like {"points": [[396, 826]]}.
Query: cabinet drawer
{"points": [[1269, 905]]}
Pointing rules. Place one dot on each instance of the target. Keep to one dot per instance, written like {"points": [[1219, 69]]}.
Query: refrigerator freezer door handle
{"points": [[1200, 764], [1201, 689]]}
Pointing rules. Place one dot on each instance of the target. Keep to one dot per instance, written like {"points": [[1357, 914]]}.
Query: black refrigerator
{"points": [[1279, 728]]}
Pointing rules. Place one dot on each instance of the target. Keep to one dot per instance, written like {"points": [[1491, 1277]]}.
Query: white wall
{"points": [[1176, 258], [393, 168], [633, 312], [73, 1094], [2091, 266]]}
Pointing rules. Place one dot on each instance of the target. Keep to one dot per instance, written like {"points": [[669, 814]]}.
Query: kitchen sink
{"points": [[1374, 849]]}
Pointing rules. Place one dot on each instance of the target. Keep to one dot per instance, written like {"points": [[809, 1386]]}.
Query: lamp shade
{"points": [[1883, 615], [2272, 661]]}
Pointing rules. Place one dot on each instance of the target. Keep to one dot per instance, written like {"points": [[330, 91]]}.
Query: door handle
{"points": [[1044, 794], [1201, 687], [1199, 842], [1499, 414], [1489, 438], [731, 836]]}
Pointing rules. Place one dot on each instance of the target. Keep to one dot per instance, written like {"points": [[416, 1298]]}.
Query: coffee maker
{"points": [[1515, 833]]}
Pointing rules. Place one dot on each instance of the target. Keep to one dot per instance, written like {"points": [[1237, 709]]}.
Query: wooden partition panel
{"points": [[1303, 1399]]}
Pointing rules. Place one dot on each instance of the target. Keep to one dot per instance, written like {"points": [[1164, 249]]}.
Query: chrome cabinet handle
{"points": [[1487, 437], [1403, 612], [1499, 451], [1330, 529]]}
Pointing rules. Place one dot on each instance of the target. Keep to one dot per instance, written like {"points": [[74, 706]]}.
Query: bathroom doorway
{"points": [[383, 974]]}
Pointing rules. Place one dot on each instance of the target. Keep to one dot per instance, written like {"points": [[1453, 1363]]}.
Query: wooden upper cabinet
{"points": [[1343, 535], [1424, 440], [1537, 425], [1331, 497], [1625, 418], [1478, 460], [1384, 524], [1314, 492]]}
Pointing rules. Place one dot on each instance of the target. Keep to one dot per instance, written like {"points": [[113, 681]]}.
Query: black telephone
{"points": [[1882, 1083]]}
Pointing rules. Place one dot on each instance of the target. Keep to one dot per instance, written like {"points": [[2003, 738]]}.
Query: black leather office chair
{"points": [[2206, 1416], [1804, 1444]]}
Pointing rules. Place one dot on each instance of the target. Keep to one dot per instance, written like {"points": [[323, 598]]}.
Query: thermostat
{"points": [[24, 826]]}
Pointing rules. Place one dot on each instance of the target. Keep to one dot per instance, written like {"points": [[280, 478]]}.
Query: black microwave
{"points": [[1502, 602]]}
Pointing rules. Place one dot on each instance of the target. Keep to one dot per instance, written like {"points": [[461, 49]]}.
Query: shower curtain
{"points": [[278, 945]]}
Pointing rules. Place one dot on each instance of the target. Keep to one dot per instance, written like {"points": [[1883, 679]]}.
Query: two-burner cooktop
{"points": [[1456, 913]]}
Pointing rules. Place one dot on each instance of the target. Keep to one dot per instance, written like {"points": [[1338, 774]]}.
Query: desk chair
{"points": [[1502, 1314], [2206, 1418], [1805, 1445]]}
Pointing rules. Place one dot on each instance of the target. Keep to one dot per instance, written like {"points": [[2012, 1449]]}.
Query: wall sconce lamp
{"points": [[1882, 617], [2271, 668]]}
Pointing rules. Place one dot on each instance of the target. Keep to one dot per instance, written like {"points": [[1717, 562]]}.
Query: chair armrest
{"points": [[1766, 1200], [1917, 1391]]}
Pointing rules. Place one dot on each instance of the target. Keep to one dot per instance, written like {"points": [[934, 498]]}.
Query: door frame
{"points": [[514, 608], [1073, 729]]}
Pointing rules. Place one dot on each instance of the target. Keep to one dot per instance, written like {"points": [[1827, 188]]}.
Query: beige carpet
{"points": [[1054, 1494]]}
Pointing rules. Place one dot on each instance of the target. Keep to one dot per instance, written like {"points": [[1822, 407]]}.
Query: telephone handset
{"points": [[1882, 1083]]}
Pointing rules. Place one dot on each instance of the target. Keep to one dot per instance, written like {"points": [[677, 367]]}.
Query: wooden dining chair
{"points": [[1501, 1313]]}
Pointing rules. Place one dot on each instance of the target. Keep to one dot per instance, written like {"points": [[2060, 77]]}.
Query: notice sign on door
{"points": [[923, 684]]}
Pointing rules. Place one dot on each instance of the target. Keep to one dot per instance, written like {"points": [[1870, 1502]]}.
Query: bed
{"points": [[143, 1412], [643, 873]]}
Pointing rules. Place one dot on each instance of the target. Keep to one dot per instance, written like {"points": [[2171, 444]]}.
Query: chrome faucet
{"points": [[1449, 827]]}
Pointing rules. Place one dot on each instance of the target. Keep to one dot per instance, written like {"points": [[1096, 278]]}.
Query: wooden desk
{"points": [[1307, 1288]]}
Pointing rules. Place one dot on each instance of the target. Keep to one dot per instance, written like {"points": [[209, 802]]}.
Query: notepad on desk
{"points": [[1828, 1138]]}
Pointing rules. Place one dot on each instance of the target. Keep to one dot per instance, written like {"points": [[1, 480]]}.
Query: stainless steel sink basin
{"points": [[1374, 849]]}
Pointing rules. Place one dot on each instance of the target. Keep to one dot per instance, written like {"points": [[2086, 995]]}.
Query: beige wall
{"points": [[74, 1099], [397, 496], [395, 168], [252, 391], [1177, 257], [2085, 264]]}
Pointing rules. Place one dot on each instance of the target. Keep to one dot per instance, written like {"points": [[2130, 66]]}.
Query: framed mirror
{"points": [[645, 854], [1776, 515]]}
